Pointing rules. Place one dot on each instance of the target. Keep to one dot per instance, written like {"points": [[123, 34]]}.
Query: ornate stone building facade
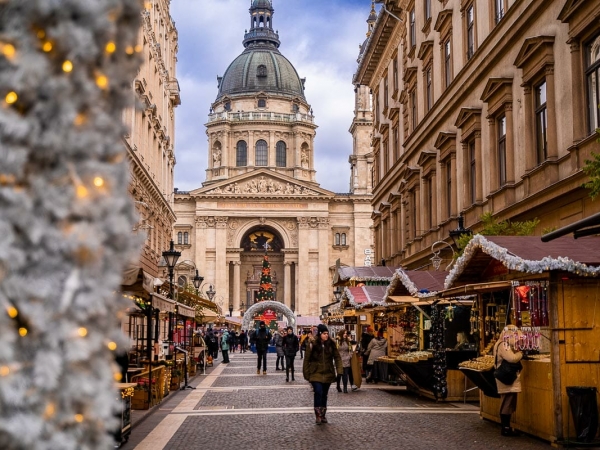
{"points": [[479, 107], [150, 141], [261, 189]]}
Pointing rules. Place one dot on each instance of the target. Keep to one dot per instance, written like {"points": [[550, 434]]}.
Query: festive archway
{"points": [[262, 306]]}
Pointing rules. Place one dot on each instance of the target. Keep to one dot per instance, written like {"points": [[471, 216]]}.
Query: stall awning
{"points": [[163, 303], [471, 289], [366, 274], [208, 315], [137, 282], [185, 310], [365, 296]]}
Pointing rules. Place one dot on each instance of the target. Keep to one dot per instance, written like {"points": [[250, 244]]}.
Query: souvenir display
{"points": [[482, 363], [530, 303]]}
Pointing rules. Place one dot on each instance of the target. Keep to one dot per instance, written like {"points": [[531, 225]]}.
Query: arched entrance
{"points": [[262, 306]]}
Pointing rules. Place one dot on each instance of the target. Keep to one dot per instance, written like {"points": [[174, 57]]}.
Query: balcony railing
{"points": [[260, 116]]}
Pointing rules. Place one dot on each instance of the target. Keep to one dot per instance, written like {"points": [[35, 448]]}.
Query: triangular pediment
{"points": [[263, 182]]}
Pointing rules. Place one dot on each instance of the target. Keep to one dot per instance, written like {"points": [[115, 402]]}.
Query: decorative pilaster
{"points": [[287, 284]]}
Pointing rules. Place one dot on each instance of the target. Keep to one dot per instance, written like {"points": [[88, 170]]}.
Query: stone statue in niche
{"points": [[304, 158], [217, 157]]}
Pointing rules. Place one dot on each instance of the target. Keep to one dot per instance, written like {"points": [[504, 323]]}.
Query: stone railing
{"points": [[260, 116]]}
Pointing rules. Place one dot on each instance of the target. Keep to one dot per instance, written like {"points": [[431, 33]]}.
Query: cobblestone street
{"points": [[232, 407]]}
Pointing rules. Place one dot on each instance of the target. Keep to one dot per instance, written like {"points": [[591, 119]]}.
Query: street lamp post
{"points": [[171, 256], [337, 293], [211, 292], [197, 280]]}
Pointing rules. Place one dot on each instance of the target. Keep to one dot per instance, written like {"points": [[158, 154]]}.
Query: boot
{"points": [[318, 419], [339, 389], [345, 389], [323, 412], [505, 423], [293, 374], [287, 374]]}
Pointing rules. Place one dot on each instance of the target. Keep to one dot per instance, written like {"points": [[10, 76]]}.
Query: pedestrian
{"points": [[365, 339], [278, 342], [505, 349], [232, 341], [346, 352], [377, 348], [225, 346], [303, 341], [290, 346], [261, 338], [320, 366], [243, 340], [213, 344]]}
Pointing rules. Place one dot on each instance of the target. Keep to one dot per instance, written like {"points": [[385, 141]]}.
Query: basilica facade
{"points": [[261, 192]]}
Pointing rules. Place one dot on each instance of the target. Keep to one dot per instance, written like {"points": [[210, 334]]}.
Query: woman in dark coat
{"points": [[321, 364], [290, 348]]}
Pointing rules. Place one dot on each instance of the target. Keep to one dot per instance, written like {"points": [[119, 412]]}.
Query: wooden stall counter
{"points": [[535, 405], [126, 391]]}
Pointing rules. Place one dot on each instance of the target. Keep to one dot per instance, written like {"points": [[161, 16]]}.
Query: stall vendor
{"points": [[462, 341]]}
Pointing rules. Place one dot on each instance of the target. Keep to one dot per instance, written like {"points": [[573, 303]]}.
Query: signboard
{"points": [[269, 317], [351, 320]]}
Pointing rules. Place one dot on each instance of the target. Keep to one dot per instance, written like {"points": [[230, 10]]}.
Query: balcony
{"points": [[259, 116]]}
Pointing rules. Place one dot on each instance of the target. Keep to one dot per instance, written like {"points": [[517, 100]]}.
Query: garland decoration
{"points": [[66, 71]]}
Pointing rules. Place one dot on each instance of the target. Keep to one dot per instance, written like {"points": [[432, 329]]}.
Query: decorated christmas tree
{"points": [[265, 291]]}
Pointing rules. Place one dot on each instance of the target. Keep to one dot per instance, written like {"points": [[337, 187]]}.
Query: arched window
{"points": [[181, 281], [241, 154], [262, 153], [180, 238], [281, 154], [343, 241], [262, 103], [337, 238], [261, 71], [186, 238]]}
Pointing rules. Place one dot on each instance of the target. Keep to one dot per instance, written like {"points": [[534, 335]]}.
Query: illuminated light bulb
{"points": [[78, 418], [110, 47], [118, 376], [47, 47], [50, 410], [112, 346], [23, 332], [67, 66], [102, 81], [79, 119], [129, 50], [148, 5], [11, 97], [41, 34], [12, 312], [82, 191], [8, 50], [82, 332], [4, 371], [138, 48], [98, 182]]}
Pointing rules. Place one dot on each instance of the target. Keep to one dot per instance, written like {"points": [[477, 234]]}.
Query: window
{"points": [[186, 238], [413, 109], [343, 239], [447, 63], [592, 73], [395, 73], [281, 154], [396, 134], [448, 189], [261, 71], [262, 153], [262, 103], [541, 122], [498, 10], [472, 173], [470, 15], [337, 238], [180, 238], [427, 9], [241, 154], [501, 127], [428, 89], [385, 92], [413, 28], [385, 157], [227, 106]]}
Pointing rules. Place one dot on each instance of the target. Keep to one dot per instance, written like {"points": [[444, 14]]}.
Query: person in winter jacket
{"points": [[365, 339], [225, 346], [213, 344], [261, 338], [377, 347], [505, 349], [243, 341], [322, 362], [278, 342], [290, 347], [346, 352]]}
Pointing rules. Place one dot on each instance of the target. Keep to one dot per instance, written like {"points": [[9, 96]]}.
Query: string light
{"points": [[79, 119], [102, 81], [47, 46], [78, 418], [8, 50], [82, 332], [50, 410], [12, 312], [41, 34], [138, 48], [23, 331], [110, 47], [4, 371], [11, 97], [118, 376], [129, 50], [82, 191], [67, 66], [112, 346], [98, 182]]}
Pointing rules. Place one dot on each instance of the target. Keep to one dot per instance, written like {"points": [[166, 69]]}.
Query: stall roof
{"points": [[307, 321], [137, 282], [372, 273], [362, 296], [417, 283], [526, 254]]}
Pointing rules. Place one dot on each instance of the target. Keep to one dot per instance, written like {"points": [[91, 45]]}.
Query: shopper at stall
{"points": [[213, 344], [278, 342], [290, 346], [346, 352], [320, 366], [506, 350], [377, 348], [462, 341], [365, 339], [261, 339]]}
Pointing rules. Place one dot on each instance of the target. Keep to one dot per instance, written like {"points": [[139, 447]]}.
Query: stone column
{"points": [[579, 109], [494, 171], [287, 284], [236, 285], [302, 275], [221, 265], [454, 188], [200, 243], [272, 149], [324, 281], [466, 177], [510, 144], [251, 149]]}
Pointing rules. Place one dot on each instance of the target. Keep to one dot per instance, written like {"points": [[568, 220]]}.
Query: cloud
{"points": [[320, 38]]}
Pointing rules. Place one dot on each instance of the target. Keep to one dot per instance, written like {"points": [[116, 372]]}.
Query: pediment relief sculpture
{"points": [[263, 185]]}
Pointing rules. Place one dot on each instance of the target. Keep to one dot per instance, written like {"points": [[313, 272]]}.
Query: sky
{"points": [[319, 37]]}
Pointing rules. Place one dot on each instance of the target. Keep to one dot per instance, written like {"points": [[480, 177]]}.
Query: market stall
{"points": [[551, 292]]}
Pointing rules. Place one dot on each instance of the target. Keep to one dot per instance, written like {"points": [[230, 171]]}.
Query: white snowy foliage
{"points": [[64, 239]]}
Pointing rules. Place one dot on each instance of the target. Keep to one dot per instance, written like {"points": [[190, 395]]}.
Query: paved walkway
{"points": [[233, 407]]}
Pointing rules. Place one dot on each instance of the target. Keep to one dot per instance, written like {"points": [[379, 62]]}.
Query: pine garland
{"points": [[66, 71]]}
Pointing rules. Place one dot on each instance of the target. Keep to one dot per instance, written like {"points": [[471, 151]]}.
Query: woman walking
{"points": [[345, 349], [321, 363], [505, 349]]}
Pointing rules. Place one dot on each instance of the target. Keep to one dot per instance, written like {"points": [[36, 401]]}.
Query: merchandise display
{"points": [[481, 363]]}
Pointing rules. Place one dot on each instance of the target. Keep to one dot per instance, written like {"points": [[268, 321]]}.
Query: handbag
{"points": [[507, 372]]}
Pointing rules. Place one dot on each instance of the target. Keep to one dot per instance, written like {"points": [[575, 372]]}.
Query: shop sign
{"points": [[351, 320], [368, 256]]}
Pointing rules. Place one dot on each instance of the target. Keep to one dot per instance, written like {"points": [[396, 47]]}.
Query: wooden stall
{"points": [[562, 305]]}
